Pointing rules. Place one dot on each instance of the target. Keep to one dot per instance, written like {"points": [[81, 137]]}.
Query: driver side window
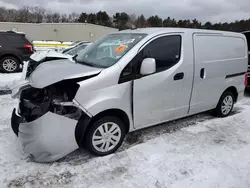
{"points": [[165, 50]]}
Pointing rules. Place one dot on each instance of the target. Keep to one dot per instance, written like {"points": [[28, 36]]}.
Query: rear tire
{"points": [[225, 104], [105, 136], [9, 64]]}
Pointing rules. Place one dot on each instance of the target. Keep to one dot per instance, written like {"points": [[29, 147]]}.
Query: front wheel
{"points": [[225, 104], [105, 136]]}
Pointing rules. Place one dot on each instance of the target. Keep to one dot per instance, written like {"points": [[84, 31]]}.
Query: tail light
{"points": [[29, 47], [246, 79]]}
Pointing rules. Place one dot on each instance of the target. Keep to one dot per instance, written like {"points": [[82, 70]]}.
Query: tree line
{"points": [[120, 20]]}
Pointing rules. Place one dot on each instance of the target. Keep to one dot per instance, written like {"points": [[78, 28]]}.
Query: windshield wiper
{"points": [[84, 63], [74, 58], [81, 62]]}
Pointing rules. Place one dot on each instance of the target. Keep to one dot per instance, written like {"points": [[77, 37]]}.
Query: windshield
{"points": [[75, 50], [106, 51]]}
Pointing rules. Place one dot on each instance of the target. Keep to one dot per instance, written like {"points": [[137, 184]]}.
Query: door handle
{"points": [[179, 76], [203, 73]]}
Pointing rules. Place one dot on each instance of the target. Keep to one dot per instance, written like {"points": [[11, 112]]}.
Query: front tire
{"points": [[9, 64], [105, 136], [225, 104]]}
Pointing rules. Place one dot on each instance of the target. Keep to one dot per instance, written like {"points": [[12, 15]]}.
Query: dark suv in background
{"points": [[14, 49]]}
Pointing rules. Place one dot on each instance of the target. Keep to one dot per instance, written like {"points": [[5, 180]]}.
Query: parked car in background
{"points": [[14, 49], [45, 45]]}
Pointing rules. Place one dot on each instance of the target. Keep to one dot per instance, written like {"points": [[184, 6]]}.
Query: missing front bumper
{"points": [[48, 138]]}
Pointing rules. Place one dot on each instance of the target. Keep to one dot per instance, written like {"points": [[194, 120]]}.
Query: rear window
{"points": [[16, 38]]}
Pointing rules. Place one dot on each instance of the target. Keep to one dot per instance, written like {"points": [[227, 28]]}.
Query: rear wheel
{"points": [[9, 64], [105, 136], [225, 104]]}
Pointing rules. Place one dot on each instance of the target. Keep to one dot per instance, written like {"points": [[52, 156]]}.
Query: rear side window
{"points": [[165, 50], [16, 38]]}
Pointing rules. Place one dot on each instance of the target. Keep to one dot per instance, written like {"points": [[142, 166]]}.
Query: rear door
{"points": [[165, 94]]}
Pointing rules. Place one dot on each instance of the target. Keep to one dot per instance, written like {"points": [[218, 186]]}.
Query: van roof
{"points": [[153, 30]]}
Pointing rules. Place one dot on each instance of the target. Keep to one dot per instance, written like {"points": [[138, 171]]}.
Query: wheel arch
{"points": [[234, 91], [85, 123], [217, 110], [11, 55]]}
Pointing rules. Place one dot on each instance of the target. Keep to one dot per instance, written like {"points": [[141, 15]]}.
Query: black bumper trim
{"points": [[81, 129], [235, 75], [15, 122]]}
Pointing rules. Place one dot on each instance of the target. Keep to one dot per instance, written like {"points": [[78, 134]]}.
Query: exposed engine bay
{"points": [[56, 98]]}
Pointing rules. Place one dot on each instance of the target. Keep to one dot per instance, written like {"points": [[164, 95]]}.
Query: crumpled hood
{"points": [[54, 71]]}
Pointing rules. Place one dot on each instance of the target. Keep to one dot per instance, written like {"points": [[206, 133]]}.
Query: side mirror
{"points": [[148, 66]]}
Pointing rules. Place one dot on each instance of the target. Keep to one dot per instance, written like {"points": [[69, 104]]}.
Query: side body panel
{"points": [[219, 59], [158, 97], [102, 93]]}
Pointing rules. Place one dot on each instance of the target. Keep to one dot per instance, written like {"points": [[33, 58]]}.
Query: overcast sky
{"points": [[204, 10]]}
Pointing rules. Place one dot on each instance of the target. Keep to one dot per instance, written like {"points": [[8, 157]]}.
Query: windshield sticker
{"points": [[120, 48]]}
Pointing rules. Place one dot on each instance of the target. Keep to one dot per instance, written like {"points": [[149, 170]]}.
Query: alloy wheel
{"points": [[9, 65]]}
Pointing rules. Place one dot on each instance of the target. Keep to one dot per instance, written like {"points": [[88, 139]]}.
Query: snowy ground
{"points": [[198, 152], [7, 79]]}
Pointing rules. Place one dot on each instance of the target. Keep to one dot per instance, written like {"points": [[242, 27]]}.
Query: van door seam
{"points": [[191, 94]]}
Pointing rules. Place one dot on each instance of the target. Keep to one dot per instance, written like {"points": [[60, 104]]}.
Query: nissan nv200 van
{"points": [[150, 76]]}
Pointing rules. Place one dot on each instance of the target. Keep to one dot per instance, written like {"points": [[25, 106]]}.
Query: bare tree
{"points": [[132, 21], [23, 15], [48, 16], [38, 14], [2, 14], [73, 17], [56, 18], [64, 18], [11, 15]]}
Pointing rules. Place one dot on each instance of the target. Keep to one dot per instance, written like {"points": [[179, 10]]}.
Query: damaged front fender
{"points": [[46, 120], [49, 137]]}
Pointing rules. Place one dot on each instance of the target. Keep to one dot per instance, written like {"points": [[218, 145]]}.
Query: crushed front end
{"points": [[45, 120]]}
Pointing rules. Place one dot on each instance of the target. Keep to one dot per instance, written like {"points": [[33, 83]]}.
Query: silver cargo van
{"points": [[123, 82]]}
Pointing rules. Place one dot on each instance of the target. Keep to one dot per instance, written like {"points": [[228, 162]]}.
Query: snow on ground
{"points": [[199, 152], [7, 79]]}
